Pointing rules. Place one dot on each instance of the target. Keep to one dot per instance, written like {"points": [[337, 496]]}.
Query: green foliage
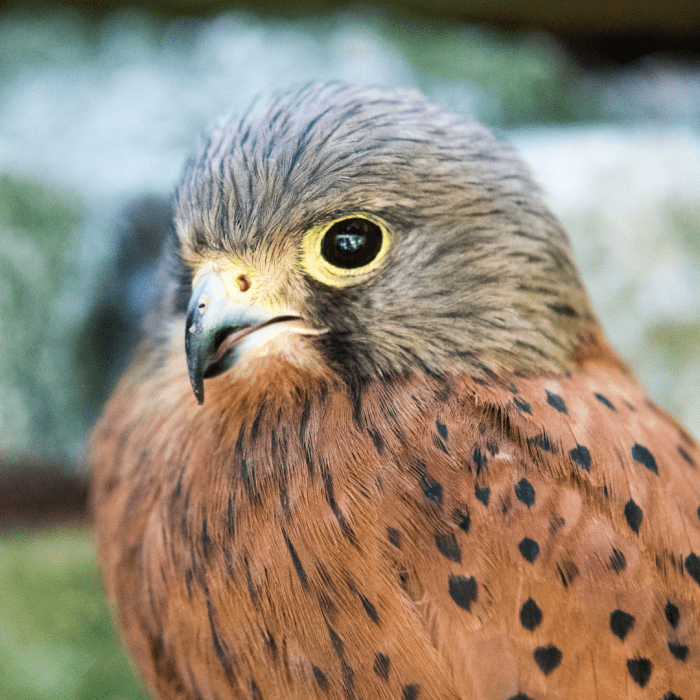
{"points": [[684, 218], [38, 229], [57, 640], [519, 78]]}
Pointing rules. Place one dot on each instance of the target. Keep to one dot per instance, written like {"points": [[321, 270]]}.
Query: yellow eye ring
{"points": [[345, 250]]}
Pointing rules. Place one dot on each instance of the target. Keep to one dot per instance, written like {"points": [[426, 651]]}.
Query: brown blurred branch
{"points": [[37, 494]]}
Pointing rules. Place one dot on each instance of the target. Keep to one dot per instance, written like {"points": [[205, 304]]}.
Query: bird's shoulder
{"points": [[553, 535]]}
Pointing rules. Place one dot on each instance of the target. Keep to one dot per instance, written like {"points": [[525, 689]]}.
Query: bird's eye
{"points": [[352, 243], [345, 250]]}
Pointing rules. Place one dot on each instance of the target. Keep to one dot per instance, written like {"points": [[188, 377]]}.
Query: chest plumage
{"points": [[435, 481]]}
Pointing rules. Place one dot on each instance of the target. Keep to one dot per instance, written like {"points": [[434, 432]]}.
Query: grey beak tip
{"points": [[194, 362]]}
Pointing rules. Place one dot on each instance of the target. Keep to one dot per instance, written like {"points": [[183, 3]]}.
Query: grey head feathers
{"points": [[480, 275]]}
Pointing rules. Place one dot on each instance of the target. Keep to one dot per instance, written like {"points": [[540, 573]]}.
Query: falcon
{"points": [[374, 445]]}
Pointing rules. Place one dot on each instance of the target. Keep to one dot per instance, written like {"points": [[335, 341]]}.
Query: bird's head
{"points": [[368, 232]]}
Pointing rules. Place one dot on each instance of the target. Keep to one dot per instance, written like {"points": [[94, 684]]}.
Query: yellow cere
{"points": [[264, 285]]}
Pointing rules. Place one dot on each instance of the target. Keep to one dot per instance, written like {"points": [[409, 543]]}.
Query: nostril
{"points": [[243, 282]]}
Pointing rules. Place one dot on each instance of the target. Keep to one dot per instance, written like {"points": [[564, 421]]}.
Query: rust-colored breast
{"points": [[510, 538]]}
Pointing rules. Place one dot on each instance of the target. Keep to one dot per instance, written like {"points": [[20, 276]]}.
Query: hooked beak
{"points": [[220, 331]]}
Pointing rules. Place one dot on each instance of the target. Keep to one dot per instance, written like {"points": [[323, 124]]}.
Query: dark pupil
{"points": [[352, 243]]}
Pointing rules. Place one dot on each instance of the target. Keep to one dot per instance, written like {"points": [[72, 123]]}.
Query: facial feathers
{"points": [[480, 273]]}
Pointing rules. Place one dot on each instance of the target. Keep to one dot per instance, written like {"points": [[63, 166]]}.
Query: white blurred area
{"points": [[113, 112], [630, 199]]}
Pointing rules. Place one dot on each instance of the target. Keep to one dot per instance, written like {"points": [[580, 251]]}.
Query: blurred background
{"points": [[100, 105]]}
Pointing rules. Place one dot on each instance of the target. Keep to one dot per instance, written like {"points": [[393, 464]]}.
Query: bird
{"points": [[374, 444]]}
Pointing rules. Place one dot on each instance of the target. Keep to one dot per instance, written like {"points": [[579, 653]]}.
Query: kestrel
{"points": [[411, 467]]}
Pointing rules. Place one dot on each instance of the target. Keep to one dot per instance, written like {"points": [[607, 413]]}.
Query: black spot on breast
{"points": [[327, 605], [525, 492], [461, 517], [640, 670], [439, 443], [529, 549], [463, 591], [206, 540], [505, 504], [255, 428], [441, 428], [642, 455], [555, 524], [672, 614], [378, 440], [410, 692], [189, 577], [442, 390], [297, 563], [633, 515], [382, 664], [371, 611], [230, 519], [541, 441], [556, 401], [448, 547], [355, 390], [249, 478], [520, 696], [692, 566], [270, 644], [432, 489], [617, 560], [345, 526], [568, 572], [524, 406], [219, 647], [671, 696], [604, 401], [303, 437], [547, 658], [530, 615], [483, 496], [394, 537], [255, 693], [679, 651], [621, 623], [348, 674], [284, 497], [320, 677], [581, 456], [686, 456], [479, 460], [337, 643], [178, 486]]}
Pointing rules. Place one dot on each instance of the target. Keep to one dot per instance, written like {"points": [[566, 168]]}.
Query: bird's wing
{"points": [[550, 537]]}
